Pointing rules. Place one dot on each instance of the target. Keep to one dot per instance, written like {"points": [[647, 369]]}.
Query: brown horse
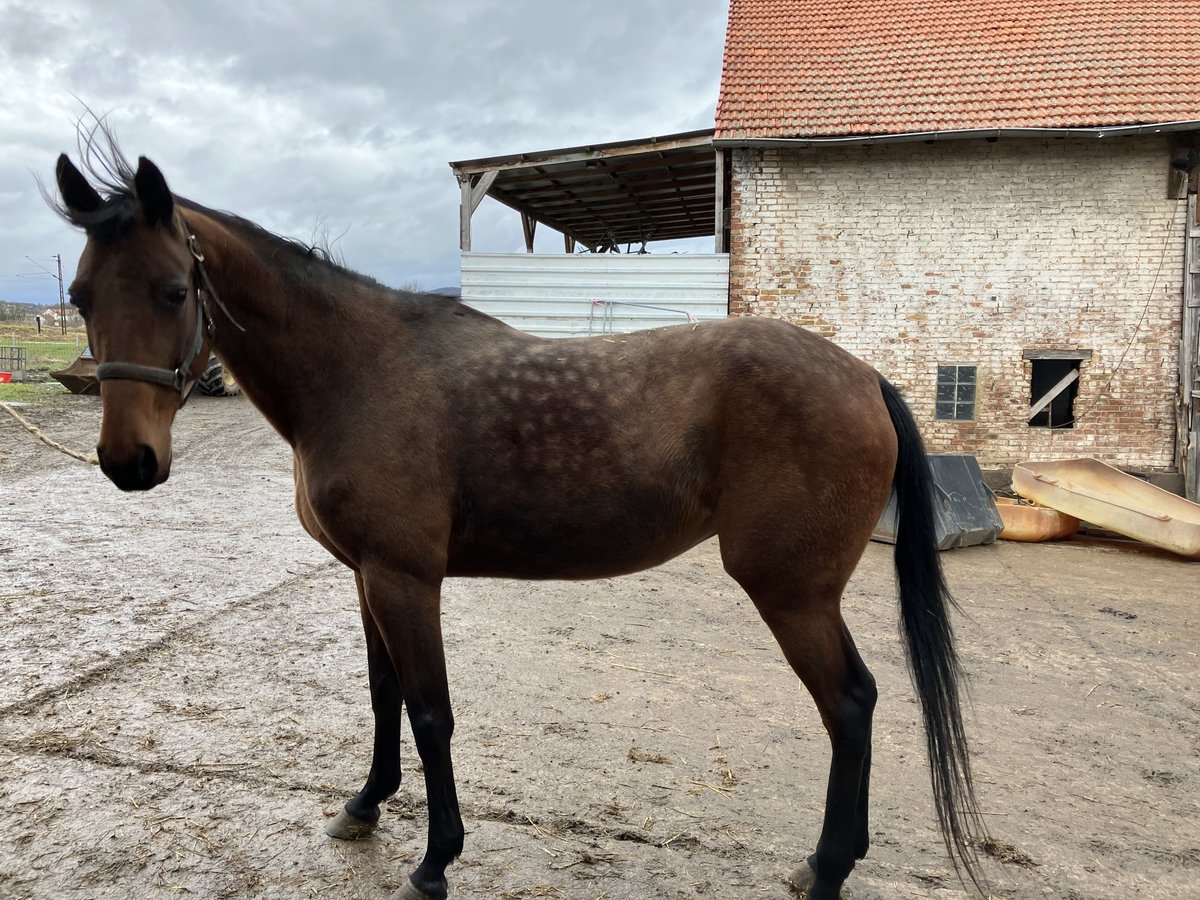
{"points": [[431, 440]]}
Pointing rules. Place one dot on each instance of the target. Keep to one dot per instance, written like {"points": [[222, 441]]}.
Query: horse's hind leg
{"points": [[361, 813], [862, 837], [805, 618], [825, 658]]}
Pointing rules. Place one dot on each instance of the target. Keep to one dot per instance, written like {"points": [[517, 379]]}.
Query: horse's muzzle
{"points": [[138, 473]]}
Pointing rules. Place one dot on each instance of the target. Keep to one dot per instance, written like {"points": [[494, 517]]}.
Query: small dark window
{"points": [[1052, 391], [956, 393]]}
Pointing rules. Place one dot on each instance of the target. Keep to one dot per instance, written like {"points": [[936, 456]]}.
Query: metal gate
{"points": [[12, 360]]}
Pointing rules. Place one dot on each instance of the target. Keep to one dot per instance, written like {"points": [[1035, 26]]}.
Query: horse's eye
{"points": [[176, 296]]}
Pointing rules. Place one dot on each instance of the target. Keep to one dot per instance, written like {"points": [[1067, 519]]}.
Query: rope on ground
{"points": [[89, 458]]}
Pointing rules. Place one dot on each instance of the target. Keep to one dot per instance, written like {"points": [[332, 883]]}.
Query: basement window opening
{"points": [[956, 393], [1053, 387]]}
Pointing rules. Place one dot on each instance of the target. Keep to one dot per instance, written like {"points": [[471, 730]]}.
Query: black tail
{"points": [[925, 603]]}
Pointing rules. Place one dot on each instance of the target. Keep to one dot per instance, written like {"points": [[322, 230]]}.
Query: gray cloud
{"points": [[300, 114]]}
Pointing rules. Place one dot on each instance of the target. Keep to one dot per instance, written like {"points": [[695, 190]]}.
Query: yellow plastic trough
{"points": [[1095, 492]]}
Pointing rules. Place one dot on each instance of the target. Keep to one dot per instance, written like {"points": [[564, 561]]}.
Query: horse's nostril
{"points": [[147, 465]]}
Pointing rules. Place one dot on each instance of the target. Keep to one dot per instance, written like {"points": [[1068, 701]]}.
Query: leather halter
{"points": [[177, 378]]}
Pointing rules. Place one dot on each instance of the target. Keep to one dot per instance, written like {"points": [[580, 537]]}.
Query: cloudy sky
{"points": [[336, 118]]}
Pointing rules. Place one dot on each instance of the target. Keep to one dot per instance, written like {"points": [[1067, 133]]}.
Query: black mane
{"points": [[304, 262]]}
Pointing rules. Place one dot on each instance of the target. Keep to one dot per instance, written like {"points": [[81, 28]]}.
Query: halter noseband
{"points": [[178, 377]]}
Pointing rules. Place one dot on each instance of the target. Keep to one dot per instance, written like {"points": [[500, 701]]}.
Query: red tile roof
{"points": [[800, 68]]}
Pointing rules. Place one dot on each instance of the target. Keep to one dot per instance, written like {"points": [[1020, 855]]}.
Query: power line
{"points": [[62, 300]]}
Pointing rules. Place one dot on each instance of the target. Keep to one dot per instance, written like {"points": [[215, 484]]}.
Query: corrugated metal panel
{"points": [[573, 295]]}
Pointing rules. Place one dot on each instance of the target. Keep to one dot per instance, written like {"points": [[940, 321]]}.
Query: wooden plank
{"points": [[464, 215], [529, 226], [593, 229], [1056, 354], [607, 181], [480, 187], [1188, 412], [1049, 396], [599, 169], [563, 194], [659, 208], [719, 187], [584, 154], [628, 214], [646, 213], [631, 222], [1177, 184], [700, 198]]}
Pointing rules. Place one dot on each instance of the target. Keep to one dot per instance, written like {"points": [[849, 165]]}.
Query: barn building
{"points": [[992, 201]]}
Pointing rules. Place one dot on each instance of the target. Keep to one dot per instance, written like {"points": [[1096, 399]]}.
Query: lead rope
{"points": [[89, 458]]}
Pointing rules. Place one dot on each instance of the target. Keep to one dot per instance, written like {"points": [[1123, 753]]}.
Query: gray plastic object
{"points": [[965, 512]]}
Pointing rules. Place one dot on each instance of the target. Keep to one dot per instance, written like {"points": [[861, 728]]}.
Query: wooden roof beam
{"points": [[581, 154], [474, 189]]}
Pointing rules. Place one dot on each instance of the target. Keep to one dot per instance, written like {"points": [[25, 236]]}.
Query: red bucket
{"points": [[5, 377]]}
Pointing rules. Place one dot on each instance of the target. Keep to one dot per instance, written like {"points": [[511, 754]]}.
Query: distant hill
{"points": [[18, 312]]}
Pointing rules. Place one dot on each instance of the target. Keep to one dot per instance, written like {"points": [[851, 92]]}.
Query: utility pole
{"points": [[62, 301]]}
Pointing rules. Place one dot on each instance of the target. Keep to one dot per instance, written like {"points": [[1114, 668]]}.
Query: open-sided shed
{"points": [[602, 198]]}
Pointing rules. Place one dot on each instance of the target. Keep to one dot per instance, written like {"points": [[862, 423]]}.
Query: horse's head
{"points": [[136, 286]]}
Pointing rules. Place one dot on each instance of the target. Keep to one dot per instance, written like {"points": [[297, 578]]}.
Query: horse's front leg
{"points": [[407, 612], [361, 813]]}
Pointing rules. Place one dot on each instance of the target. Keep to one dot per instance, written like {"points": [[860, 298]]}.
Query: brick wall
{"points": [[914, 254]]}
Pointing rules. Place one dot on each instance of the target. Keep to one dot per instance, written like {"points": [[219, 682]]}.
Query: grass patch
{"points": [[24, 331], [31, 392], [46, 356], [44, 352]]}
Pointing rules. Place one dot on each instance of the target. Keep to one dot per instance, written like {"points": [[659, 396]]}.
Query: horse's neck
{"points": [[289, 339]]}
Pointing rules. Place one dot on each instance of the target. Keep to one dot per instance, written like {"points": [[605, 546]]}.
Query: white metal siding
{"points": [[571, 295]]}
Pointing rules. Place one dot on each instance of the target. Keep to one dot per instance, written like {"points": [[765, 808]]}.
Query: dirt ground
{"points": [[183, 702]]}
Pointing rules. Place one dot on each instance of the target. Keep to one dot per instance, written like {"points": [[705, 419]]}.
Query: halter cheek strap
{"points": [[179, 377]]}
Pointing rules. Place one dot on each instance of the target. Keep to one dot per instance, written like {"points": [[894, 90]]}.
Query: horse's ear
{"points": [[158, 206], [77, 194]]}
